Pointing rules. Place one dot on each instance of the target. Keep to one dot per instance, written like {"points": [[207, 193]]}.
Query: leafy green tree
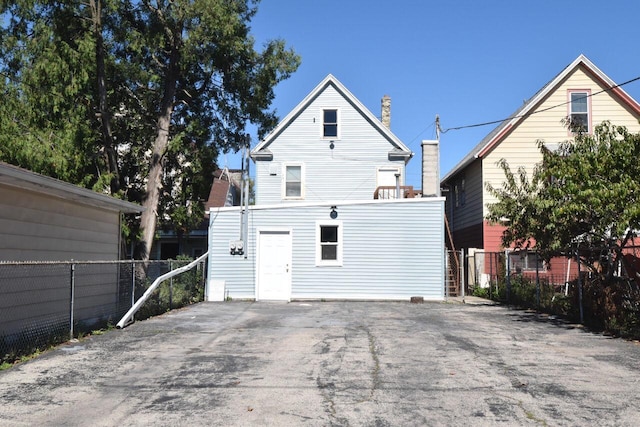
{"points": [[587, 192], [46, 114], [135, 98]]}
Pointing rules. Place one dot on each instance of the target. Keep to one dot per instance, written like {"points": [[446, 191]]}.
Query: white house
{"points": [[332, 218]]}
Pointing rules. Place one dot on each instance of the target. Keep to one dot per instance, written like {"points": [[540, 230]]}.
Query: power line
{"points": [[539, 111], [421, 132]]}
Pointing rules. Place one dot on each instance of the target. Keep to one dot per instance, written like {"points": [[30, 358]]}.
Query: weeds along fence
{"points": [[46, 303], [608, 300], [496, 272]]}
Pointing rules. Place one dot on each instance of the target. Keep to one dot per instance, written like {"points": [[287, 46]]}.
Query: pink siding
{"points": [[555, 271], [492, 235]]}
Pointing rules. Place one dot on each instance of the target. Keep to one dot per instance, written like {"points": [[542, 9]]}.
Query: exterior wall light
{"points": [[334, 213], [332, 145]]}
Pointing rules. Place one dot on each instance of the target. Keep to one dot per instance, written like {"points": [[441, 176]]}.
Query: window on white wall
{"points": [[329, 243], [579, 110], [330, 123], [293, 181]]}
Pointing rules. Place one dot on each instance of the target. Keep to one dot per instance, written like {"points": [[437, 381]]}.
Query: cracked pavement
{"points": [[331, 364]]}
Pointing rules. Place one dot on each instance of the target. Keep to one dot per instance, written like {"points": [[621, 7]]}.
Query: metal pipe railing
{"points": [[128, 317]]}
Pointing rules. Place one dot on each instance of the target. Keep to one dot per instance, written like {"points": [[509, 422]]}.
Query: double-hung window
{"points": [[293, 181], [579, 110], [329, 243], [330, 123], [525, 261]]}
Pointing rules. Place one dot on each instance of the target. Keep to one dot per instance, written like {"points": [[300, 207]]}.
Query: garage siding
{"points": [[35, 226]]}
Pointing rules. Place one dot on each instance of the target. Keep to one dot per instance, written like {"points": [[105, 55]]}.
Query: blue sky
{"points": [[468, 61]]}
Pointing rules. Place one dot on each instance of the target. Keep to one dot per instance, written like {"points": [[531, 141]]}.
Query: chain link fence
{"points": [[46, 303], [497, 271], [594, 286]]}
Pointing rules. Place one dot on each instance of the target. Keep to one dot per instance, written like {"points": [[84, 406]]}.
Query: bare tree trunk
{"points": [[105, 115], [149, 218]]}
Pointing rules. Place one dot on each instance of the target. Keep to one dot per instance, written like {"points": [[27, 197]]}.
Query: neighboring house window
{"points": [[456, 194], [329, 123], [459, 193], [525, 261], [329, 243], [579, 110], [293, 185]]}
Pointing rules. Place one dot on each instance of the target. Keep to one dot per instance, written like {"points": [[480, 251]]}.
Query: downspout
{"points": [[245, 230]]}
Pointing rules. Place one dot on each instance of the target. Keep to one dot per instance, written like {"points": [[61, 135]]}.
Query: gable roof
{"points": [[494, 137], [399, 149], [24, 179]]}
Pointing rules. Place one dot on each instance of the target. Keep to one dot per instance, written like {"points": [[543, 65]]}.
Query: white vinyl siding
{"points": [[43, 228], [346, 172], [392, 250], [520, 146]]}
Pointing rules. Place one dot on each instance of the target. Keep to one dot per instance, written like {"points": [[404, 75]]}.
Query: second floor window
{"points": [[293, 181], [579, 110], [330, 123]]}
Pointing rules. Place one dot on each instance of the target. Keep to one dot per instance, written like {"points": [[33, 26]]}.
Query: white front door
{"points": [[274, 265]]}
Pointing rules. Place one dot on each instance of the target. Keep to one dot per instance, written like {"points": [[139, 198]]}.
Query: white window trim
{"points": [[330, 138], [587, 93], [524, 255], [329, 263], [284, 181]]}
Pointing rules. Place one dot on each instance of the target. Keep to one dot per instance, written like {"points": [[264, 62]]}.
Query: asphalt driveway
{"points": [[331, 363]]}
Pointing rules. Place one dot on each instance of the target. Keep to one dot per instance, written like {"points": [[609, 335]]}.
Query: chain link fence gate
{"points": [[454, 274]]}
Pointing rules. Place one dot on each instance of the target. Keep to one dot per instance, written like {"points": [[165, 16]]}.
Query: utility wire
{"points": [[540, 111], [421, 132]]}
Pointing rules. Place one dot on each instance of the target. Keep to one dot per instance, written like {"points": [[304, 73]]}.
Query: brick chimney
{"points": [[430, 168], [386, 111]]}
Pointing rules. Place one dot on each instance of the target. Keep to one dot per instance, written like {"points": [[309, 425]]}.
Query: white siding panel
{"points": [[348, 172], [392, 250], [37, 227]]}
